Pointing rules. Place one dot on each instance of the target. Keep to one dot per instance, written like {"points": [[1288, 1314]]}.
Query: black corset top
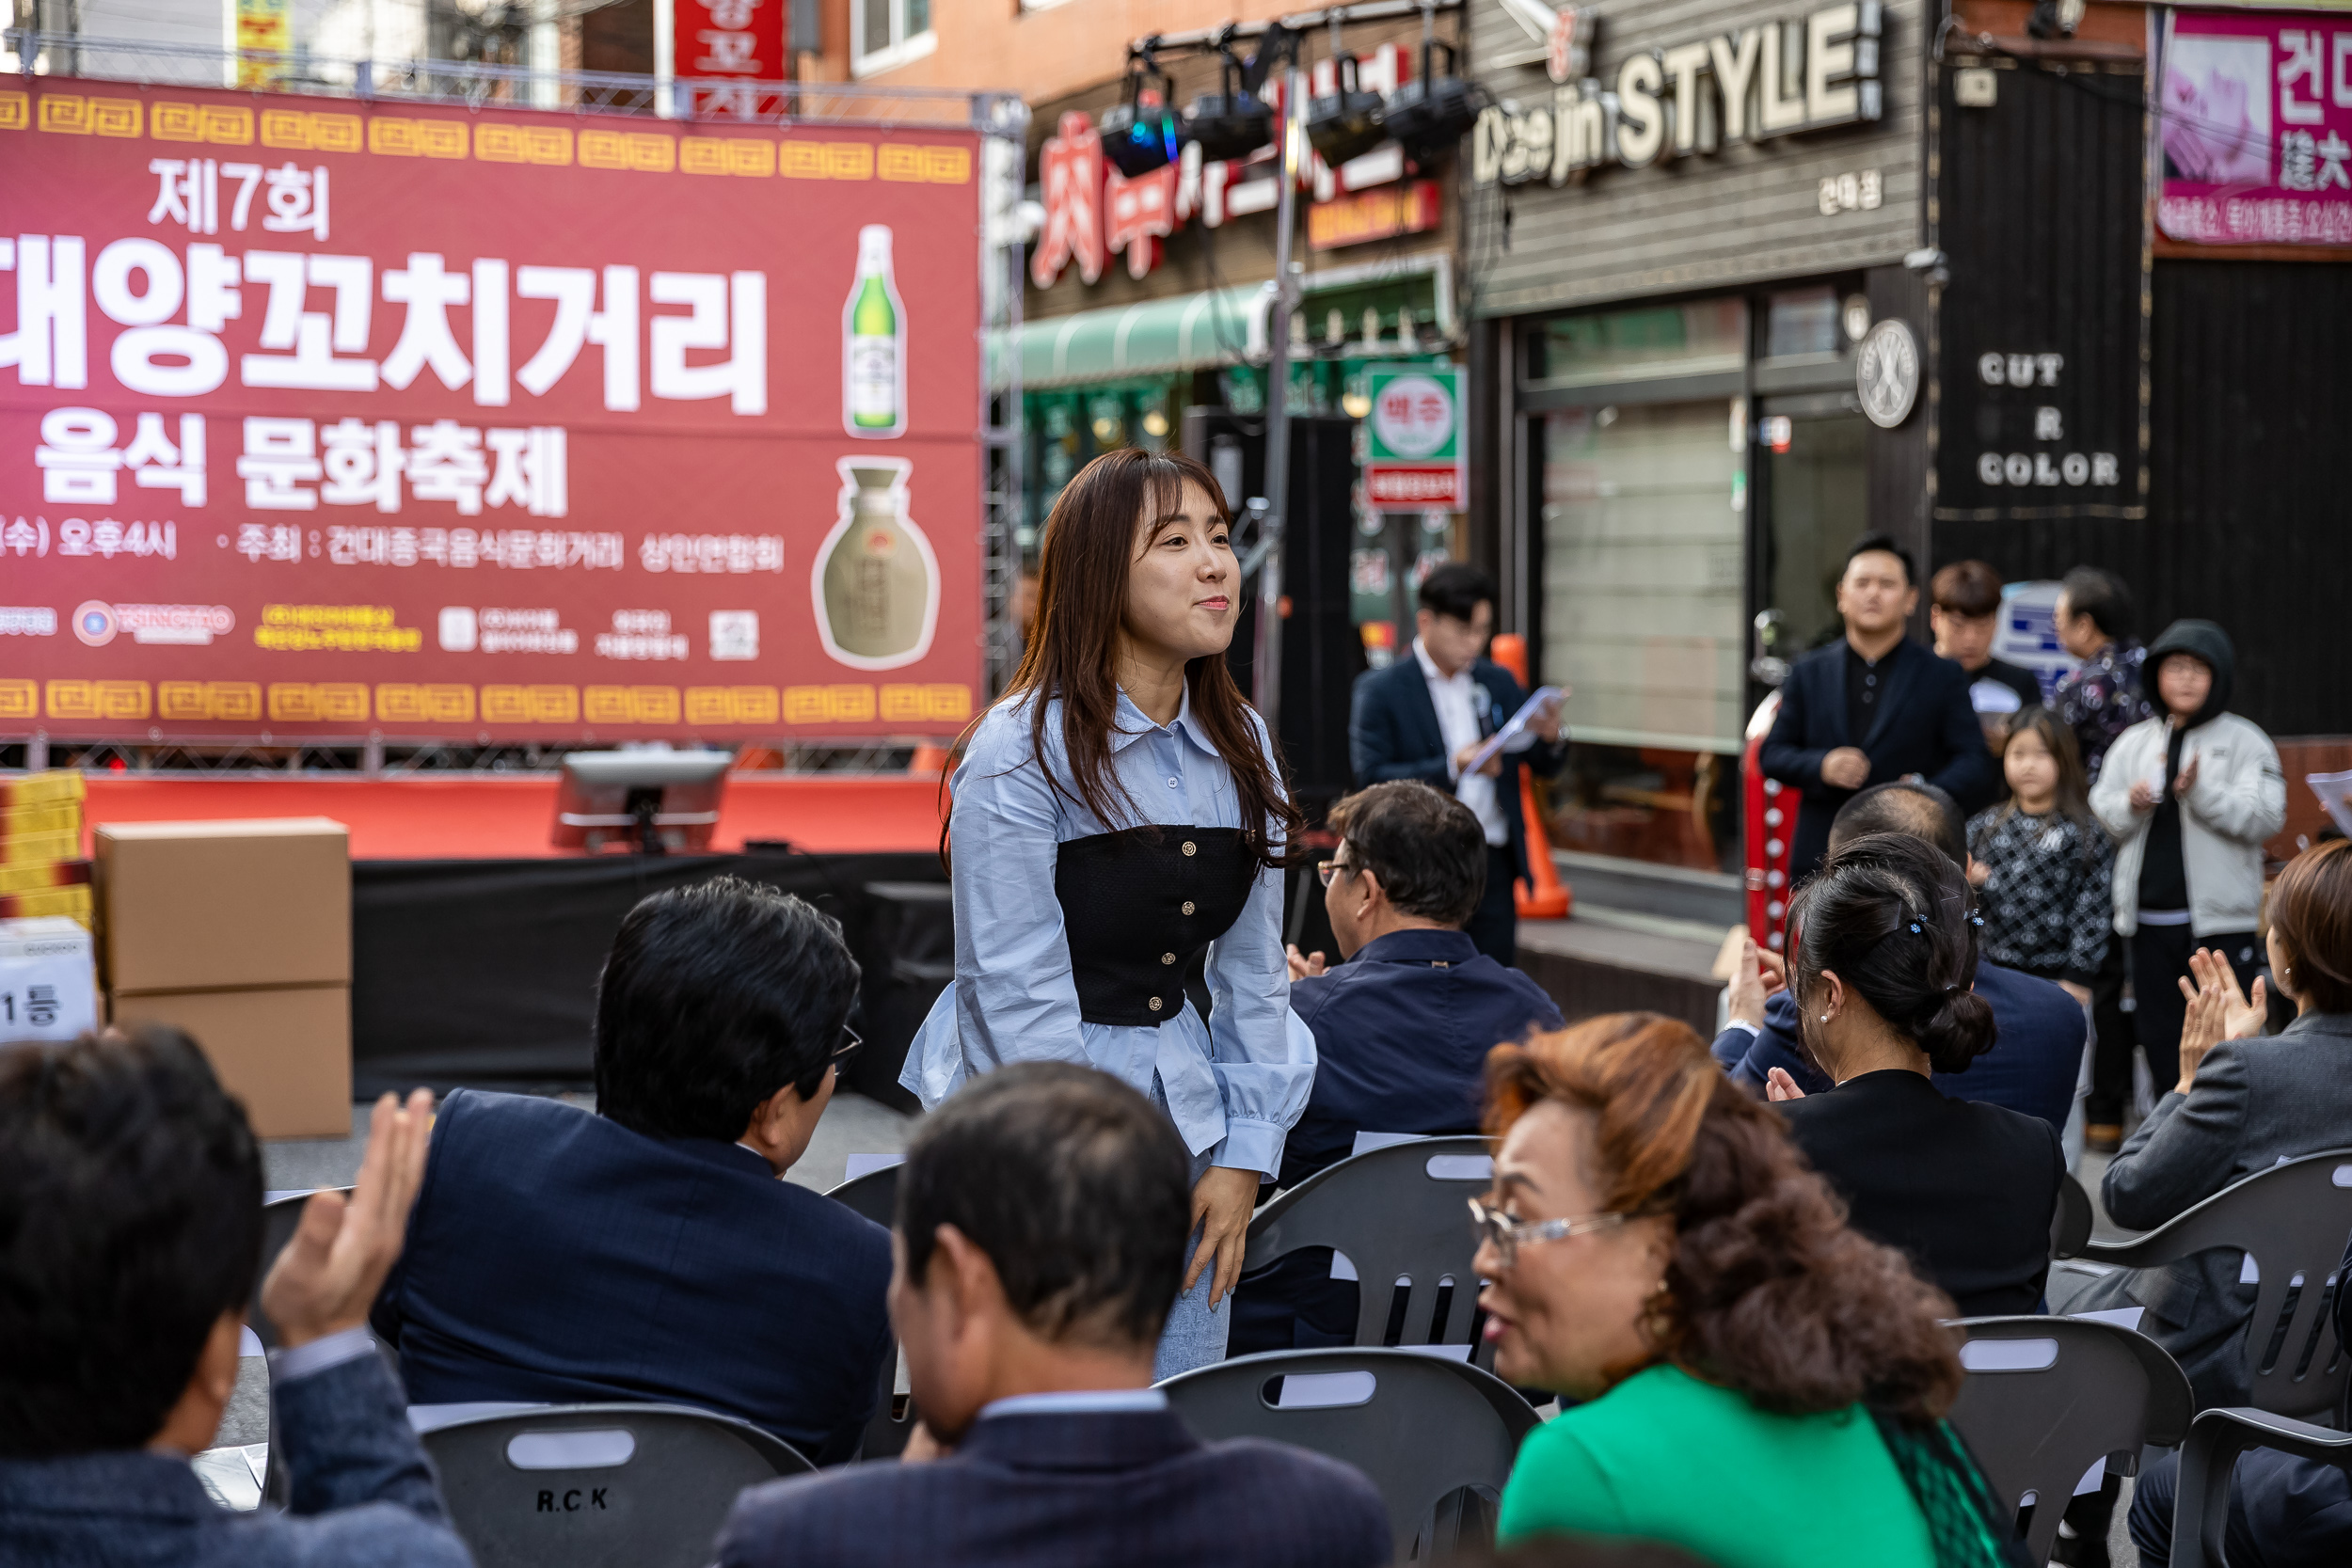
{"points": [[1139, 906]]}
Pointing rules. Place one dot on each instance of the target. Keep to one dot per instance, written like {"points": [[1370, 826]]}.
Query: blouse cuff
{"points": [[1250, 1145]]}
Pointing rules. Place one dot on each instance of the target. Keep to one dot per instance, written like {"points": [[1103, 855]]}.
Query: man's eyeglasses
{"points": [[1509, 1234], [1326, 871], [851, 1043]]}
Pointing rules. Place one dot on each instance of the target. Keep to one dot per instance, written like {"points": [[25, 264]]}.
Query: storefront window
{"points": [[1802, 320], [1819, 489], [1628, 345], [1644, 574]]}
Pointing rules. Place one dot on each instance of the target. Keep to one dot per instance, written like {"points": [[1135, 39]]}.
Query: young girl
{"points": [[2045, 866], [1120, 812]]}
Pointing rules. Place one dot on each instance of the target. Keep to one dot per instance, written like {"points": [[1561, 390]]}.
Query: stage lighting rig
{"points": [[1142, 133], [1431, 114], [1346, 122], [1236, 122]]}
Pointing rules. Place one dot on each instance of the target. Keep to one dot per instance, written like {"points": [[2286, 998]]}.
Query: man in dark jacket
{"points": [[1426, 716], [648, 1250], [1043, 1216], [2034, 1067], [131, 1198], [1873, 707]]}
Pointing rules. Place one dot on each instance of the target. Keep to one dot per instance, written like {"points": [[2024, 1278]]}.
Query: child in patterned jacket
{"points": [[2043, 862]]}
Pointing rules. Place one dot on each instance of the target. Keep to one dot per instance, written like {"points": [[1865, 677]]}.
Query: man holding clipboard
{"points": [[1434, 717]]}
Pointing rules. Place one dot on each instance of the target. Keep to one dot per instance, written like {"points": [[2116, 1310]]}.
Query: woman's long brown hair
{"points": [[1768, 1292], [1090, 546]]}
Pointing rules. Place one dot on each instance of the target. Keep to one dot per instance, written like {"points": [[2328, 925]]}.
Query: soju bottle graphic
{"points": [[876, 581], [873, 343]]}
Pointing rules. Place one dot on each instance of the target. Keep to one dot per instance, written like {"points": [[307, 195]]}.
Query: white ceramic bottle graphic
{"points": [[874, 343], [875, 580]]}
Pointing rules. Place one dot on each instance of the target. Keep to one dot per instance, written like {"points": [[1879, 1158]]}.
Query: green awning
{"points": [[1221, 326]]}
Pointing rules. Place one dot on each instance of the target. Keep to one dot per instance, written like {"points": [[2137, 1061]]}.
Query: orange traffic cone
{"points": [[1543, 896]]}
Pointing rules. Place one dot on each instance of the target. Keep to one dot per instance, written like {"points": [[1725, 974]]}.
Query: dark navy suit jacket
{"points": [[1925, 725], [1392, 733], [556, 1255], [1401, 1032], [361, 1495], [2031, 1068], [1129, 1489]]}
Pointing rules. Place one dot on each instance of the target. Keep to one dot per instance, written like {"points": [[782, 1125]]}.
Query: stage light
{"points": [[1141, 134], [1431, 114], [1348, 121], [1233, 121]]}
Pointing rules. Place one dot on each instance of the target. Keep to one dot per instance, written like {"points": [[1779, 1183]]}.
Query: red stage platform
{"points": [[490, 818]]}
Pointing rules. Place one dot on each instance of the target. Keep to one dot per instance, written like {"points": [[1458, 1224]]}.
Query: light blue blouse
{"points": [[1234, 1085]]}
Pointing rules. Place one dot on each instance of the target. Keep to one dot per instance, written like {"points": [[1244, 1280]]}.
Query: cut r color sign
{"points": [[1416, 458]]}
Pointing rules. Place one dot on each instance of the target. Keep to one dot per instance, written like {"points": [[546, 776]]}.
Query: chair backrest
{"points": [[2200, 1501], [2291, 1220], [1400, 1215], [1423, 1427], [601, 1485], [279, 1219], [2047, 1399], [875, 1195], [2070, 1226]]}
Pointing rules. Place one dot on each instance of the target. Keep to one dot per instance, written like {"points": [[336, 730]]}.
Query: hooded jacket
{"points": [[2239, 798]]}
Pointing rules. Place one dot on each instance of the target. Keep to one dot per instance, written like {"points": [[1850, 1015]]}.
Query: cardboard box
{"points": [[34, 789], [224, 906], [43, 873], [48, 979], [57, 816], [285, 1052], [16, 848], [72, 903]]}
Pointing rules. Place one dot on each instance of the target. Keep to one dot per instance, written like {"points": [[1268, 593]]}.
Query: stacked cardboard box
{"points": [[41, 868], [240, 933]]}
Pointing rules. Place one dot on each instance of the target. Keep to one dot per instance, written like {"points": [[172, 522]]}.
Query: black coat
{"points": [[1968, 1189], [1392, 733], [1925, 725]]}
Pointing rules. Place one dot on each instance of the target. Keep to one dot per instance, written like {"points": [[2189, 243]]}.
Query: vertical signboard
{"points": [[722, 49], [333, 419], [2253, 121], [1415, 460]]}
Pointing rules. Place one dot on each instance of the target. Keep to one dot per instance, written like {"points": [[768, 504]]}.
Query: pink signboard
{"points": [[2253, 124]]}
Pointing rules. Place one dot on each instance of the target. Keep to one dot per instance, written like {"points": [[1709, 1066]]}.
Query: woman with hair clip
{"points": [[1118, 814], [1883, 966], [1762, 1387]]}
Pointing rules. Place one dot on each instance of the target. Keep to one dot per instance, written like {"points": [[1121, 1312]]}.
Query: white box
{"points": [[48, 979]]}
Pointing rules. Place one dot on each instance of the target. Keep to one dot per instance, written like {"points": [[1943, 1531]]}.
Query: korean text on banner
{"points": [[339, 419], [2253, 125]]}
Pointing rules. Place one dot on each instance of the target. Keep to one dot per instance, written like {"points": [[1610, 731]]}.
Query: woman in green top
{"points": [[1762, 1387]]}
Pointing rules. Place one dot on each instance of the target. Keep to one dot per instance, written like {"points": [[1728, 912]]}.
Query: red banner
{"points": [[323, 418], [725, 47]]}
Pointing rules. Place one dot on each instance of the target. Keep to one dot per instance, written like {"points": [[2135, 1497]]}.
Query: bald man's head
{"points": [[1920, 810]]}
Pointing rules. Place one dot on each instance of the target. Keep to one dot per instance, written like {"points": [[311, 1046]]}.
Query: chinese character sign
{"points": [[2253, 123], [315, 420]]}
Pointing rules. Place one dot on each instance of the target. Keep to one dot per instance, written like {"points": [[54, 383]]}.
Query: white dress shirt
{"points": [[1459, 701]]}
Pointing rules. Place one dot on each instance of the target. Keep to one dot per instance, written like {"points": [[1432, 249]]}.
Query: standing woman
{"points": [[1119, 812]]}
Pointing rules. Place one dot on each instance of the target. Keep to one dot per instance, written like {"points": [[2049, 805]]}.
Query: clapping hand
{"points": [[2185, 782], [2217, 1011], [326, 1279], [1758, 977], [1303, 965], [1779, 1085]]}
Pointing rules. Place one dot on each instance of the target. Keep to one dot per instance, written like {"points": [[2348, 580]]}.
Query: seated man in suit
{"points": [[1873, 707], [1402, 1028], [649, 1250], [131, 1199], [1425, 716], [2034, 1067], [1044, 1215]]}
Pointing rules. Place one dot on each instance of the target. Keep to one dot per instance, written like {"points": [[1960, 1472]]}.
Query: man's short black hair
{"points": [[1903, 806], [1884, 542], [1079, 1192], [2096, 592], [1425, 847], [1456, 589], [713, 998], [130, 1221]]}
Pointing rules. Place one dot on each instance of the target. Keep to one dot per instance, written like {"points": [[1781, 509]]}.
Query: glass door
{"points": [[1816, 495]]}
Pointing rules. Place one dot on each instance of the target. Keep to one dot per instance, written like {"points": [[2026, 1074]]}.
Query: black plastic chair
{"points": [[1423, 1427], [2291, 1220], [2200, 1506], [875, 1195], [601, 1485], [1400, 1215], [2070, 1226], [2045, 1399]]}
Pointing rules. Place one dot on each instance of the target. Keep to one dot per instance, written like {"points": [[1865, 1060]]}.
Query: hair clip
{"points": [[1915, 928], [1975, 919]]}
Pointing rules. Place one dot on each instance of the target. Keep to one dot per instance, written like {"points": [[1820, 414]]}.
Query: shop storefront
{"points": [[1691, 276]]}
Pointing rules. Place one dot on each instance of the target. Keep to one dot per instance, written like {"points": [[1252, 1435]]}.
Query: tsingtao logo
{"points": [[94, 622]]}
